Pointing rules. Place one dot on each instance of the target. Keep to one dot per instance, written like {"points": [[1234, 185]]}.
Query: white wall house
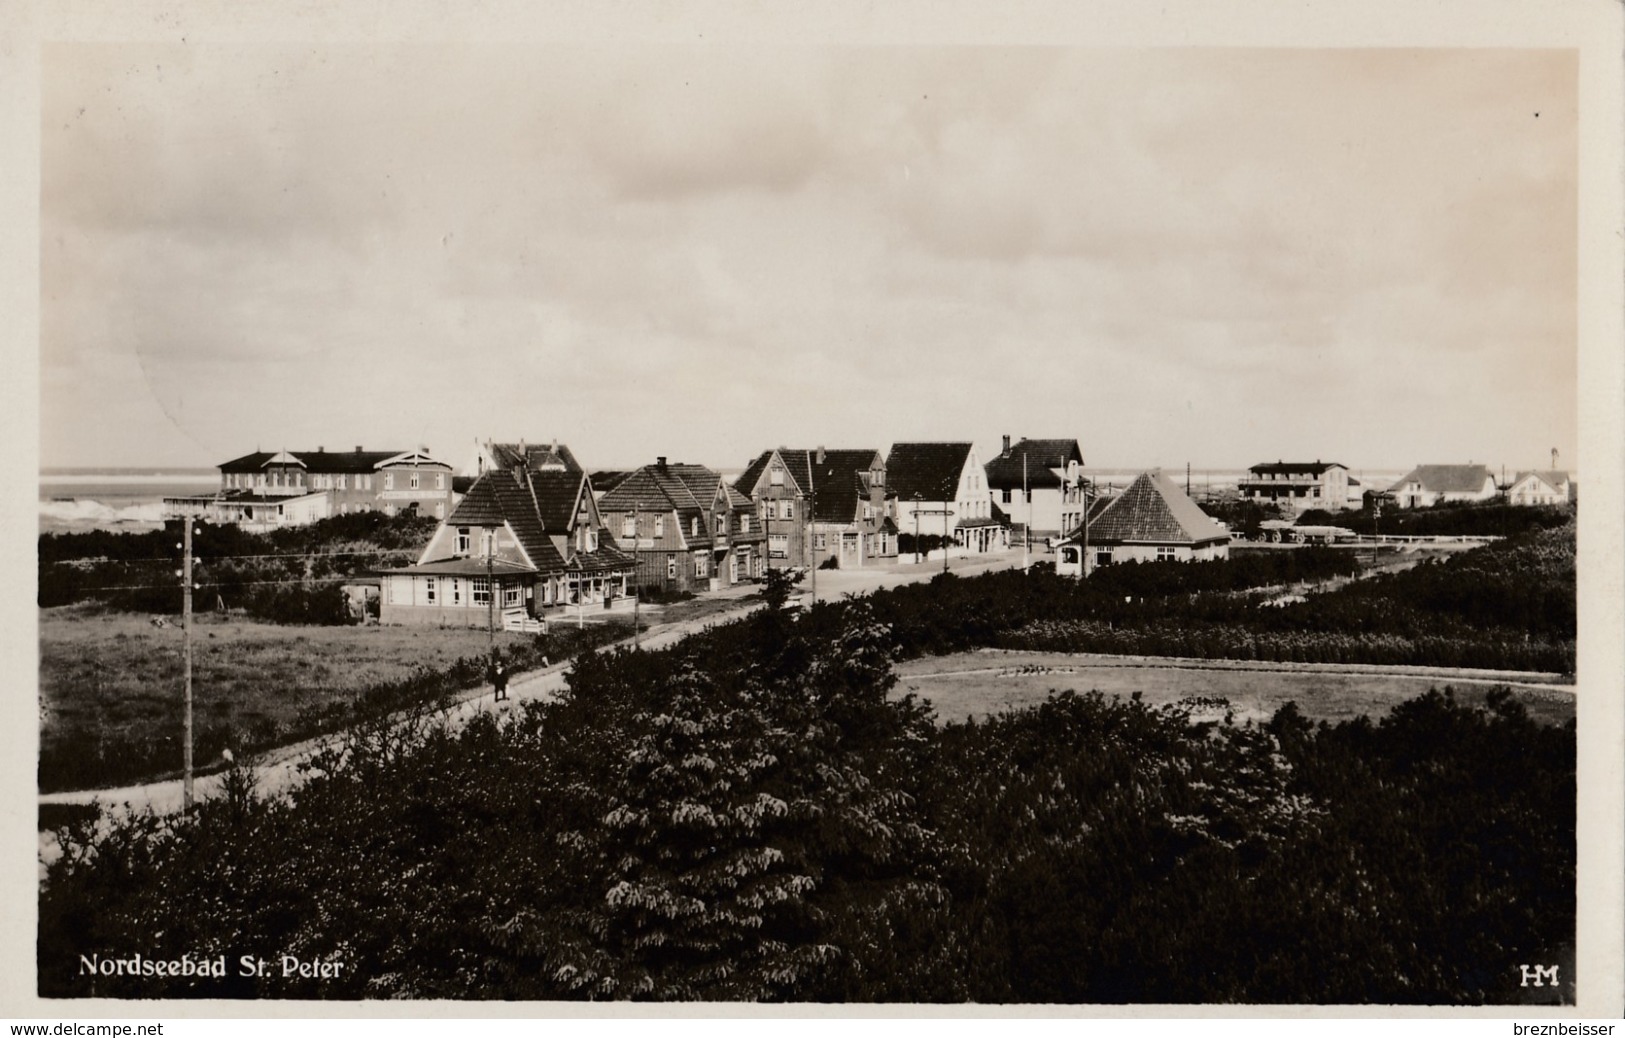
{"points": [[944, 486]]}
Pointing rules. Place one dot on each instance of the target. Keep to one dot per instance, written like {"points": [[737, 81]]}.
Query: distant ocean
{"points": [[76, 496]]}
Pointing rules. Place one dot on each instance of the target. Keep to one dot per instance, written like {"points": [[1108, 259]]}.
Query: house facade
{"points": [[687, 527], [1301, 484], [817, 504], [520, 546], [1152, 521], [1035, 483], [289, 488], [1428, 485], [941, 489], [1541, 487]]}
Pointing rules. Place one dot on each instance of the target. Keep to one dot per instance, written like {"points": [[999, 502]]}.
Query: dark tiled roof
{"points": [[748, 479], [930, 470], [556, 494], [316, 461], [1283, 468], [1447, 479], [497, 497], [537, 456], [1043, 457], [605, 480], [1153, 510]]}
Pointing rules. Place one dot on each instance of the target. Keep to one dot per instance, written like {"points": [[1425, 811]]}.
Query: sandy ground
{"points": [[987, 681]]}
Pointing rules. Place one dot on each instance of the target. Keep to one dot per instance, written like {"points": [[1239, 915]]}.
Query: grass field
{"points": [[976, 684], [110, 683]]}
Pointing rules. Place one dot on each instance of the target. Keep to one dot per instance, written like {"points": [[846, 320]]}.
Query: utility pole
{"points": [[918, 558], [1026, 548], [1083, 492], [186, 656], [490, 594], [636, 596], [946, 512], [812, 514]]}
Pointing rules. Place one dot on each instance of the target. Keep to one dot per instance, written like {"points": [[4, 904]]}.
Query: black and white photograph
{"points": [[646, 508]]}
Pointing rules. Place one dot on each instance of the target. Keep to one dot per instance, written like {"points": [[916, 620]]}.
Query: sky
{"points": [[1205, 256]]}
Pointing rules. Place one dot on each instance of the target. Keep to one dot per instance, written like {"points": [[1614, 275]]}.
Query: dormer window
{"points": [[463, 540], [660, 526], [776, 477], [629, 526], [694, 527]]}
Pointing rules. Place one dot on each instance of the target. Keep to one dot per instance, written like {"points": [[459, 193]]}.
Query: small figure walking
{"points": [[499, 680]]}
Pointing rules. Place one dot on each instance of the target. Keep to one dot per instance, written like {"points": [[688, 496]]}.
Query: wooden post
{"points": [[186, 657]]}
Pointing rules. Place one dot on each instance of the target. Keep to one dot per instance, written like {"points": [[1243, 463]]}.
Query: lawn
{"points": [[111, 688], [976, 684]]}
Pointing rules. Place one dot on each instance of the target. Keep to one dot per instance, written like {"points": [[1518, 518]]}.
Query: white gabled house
{"points": [[941, 488]]}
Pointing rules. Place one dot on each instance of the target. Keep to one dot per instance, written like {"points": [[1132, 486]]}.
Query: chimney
{"points": [[660, 463], [820, 454], [358, 448], [321, 450], [1007, 443]]}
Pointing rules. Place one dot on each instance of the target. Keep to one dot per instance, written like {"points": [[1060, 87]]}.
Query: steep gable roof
{"points": [[1043, 458], [837, 480], [753, 472], [497, 498], [1447, 479], [930, 470], [1153, 510], [1553, 478], [556, 493]]}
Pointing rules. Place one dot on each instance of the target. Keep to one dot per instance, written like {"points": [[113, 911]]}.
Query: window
{"points": [[389, 481], [629, 527], [456, 591], [778, 545], [367, 481], [1167, 554], [510, 596], [818, 542], [428, 590], [744, 523], [699, 565], [341, 483], [868, 510], [694, 527], [671, 567], [787, 509], [462, 540], [877, 477], [720, 524], [440, 481], [482, 591], [413, 481], [1006, 498], [776, 477], [592, 540], [1103, 558]]}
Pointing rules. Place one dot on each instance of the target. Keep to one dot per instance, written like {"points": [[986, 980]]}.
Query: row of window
{"points": [[629, 525], [325, 480], [479, 592]]}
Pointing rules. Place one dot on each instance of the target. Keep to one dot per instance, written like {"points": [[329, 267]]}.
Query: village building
{"points": [[1428, 485], [941, 489], [1541, 487], [490, 456], [689, 530], [267, 489], [819, 504], [1152, 521], [1036, 484], [520, 545], [1301, 484]]}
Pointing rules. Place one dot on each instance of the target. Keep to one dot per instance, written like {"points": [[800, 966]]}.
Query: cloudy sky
{"points": [[1208, 256]]}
